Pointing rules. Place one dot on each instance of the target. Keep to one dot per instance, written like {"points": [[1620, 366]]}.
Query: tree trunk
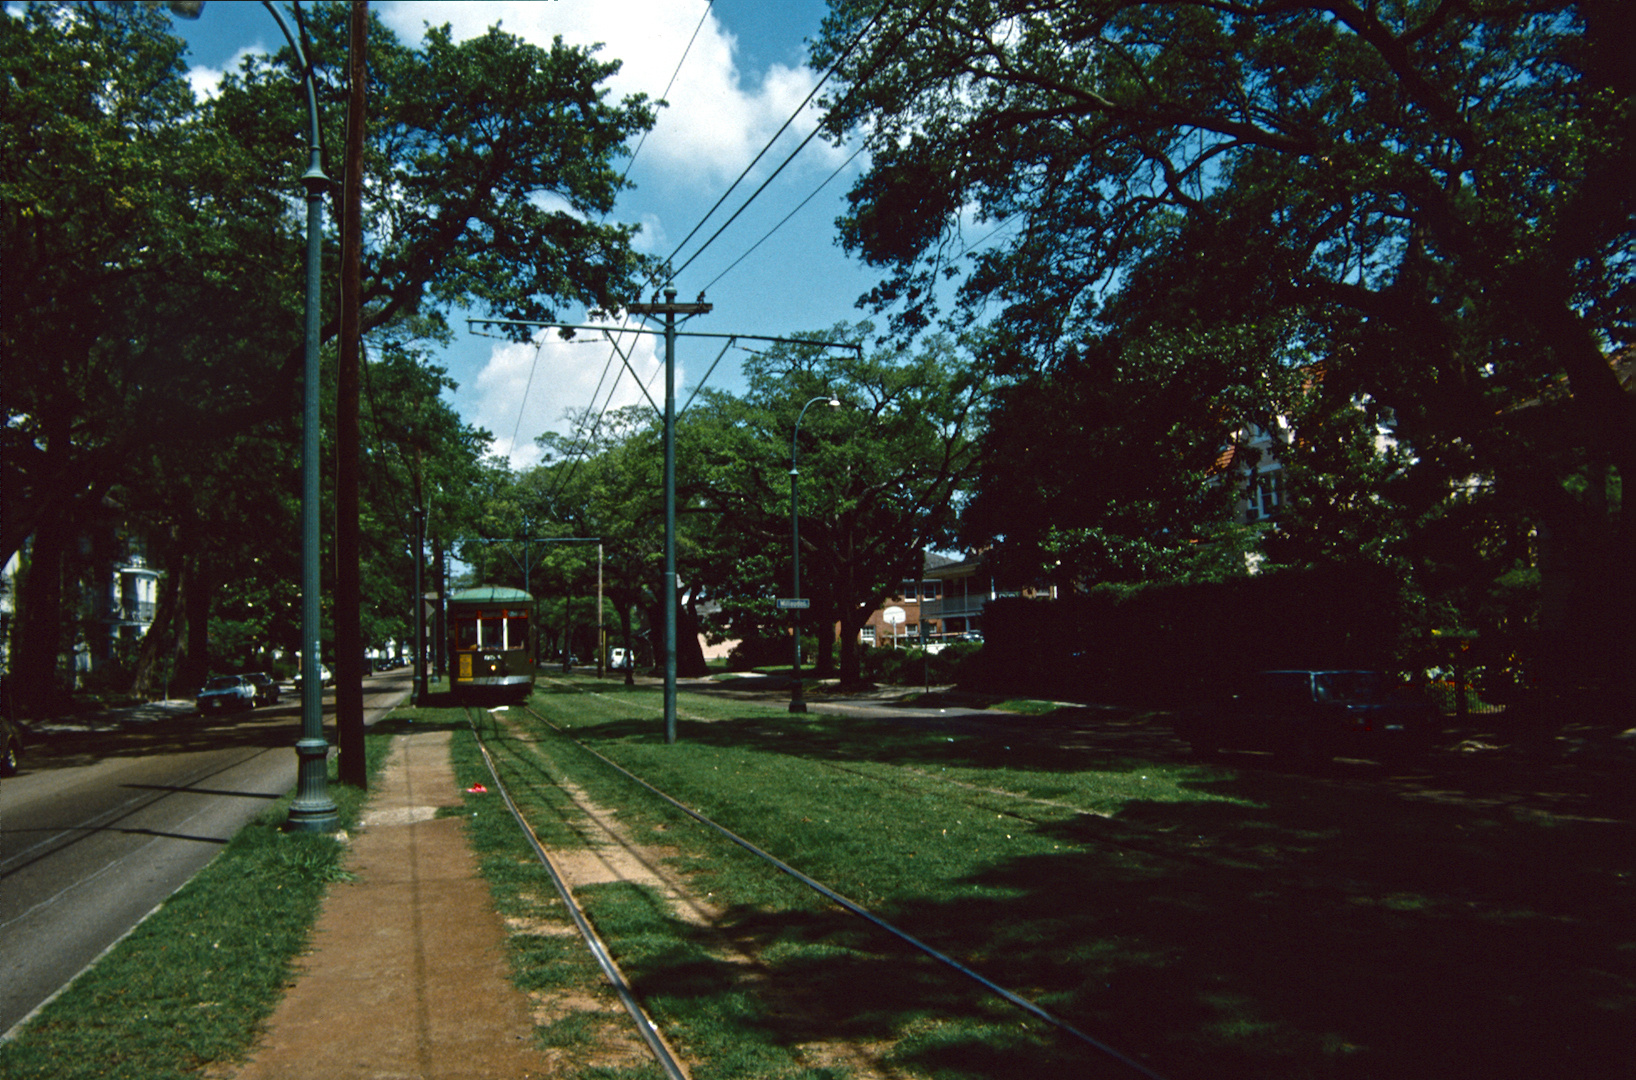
{"points": [[159, 643], [824, 627], [689, 652], [37, 636], [194, 667], [625, 634]]}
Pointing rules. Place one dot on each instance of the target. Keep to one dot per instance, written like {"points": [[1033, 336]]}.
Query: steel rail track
{"points": [[859, 910], [673, 1069]]}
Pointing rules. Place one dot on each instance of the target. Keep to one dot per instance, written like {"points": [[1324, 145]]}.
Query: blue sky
{"points": [[742, 78]]}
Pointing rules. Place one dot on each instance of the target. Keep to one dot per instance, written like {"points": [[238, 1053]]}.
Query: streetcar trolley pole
{"points": [[669, 309]]}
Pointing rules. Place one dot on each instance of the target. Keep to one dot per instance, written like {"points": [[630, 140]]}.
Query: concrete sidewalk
{"points": [[407, 975]]}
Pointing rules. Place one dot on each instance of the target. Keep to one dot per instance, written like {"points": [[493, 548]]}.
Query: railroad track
{"points": [[599, 830]]}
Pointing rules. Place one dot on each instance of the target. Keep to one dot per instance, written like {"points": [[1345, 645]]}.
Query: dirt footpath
{"points": [[407, 974]]}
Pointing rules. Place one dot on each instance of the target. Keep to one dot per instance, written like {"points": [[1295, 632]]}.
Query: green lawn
{"points": [[1212, 921]]}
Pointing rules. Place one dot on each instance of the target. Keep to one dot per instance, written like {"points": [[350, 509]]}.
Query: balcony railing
{"points": [[953, 606], [131, 611]]}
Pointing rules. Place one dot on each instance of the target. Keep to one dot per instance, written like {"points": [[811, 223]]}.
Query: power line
{"points": [[524, 402], [627, 171], [853, 44], [838, 169]]}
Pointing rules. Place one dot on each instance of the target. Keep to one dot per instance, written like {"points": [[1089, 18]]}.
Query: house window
{"points": [[1266, 496], [931, 590], [869, 635]]}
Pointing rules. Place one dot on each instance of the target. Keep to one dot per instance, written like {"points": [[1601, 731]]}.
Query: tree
{"points": [[138, 256], [881, 477], [488, 168], [1430, 198], [139, 265], [152, 256]]}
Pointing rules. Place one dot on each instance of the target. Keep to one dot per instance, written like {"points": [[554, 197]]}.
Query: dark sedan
{"points": [[1308, 717]]}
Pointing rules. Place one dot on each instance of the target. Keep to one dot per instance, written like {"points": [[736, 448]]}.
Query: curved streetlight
{"points": [[798, 704], [312, 810]]}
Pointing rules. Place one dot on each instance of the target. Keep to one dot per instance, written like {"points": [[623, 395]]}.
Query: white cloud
{"points": [[207, 82], [525, 390], [653, 239], [718, 117]]}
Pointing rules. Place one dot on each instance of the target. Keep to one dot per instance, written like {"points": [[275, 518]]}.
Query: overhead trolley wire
{"points": [[853, 44], [627, 171], [814, 194], [580, 451]]}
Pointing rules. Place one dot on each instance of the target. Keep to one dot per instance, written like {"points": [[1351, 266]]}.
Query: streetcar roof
{"points": [[489, 594]]}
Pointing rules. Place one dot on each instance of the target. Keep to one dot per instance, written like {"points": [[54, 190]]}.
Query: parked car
{"points": [[619, 659], [11, 746], [266, 687], [1308, 717], [226, 693], [324, 677]]}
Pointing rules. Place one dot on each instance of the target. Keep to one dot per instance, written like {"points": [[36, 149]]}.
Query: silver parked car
{"points": [[227, 693]]}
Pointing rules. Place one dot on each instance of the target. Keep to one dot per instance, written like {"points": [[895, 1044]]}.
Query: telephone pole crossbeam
{"points": [[670, 309]]}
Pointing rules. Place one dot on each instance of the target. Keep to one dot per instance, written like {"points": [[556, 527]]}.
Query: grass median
{"points": [[189, 987], [1209, 920]]}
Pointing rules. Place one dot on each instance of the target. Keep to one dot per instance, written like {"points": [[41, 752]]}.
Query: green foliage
{"points": [[152, 337], [880, 479], [913, 665], [1179, 643], [1197, 214]]}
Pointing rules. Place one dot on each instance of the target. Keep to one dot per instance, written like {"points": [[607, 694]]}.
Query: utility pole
{"points": [[349, 640], [670, 309], [416, 546]]}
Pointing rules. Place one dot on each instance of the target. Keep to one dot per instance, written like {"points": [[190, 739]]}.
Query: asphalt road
{"points": [[110, 816]]}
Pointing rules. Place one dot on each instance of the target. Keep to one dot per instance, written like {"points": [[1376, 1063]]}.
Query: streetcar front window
{"points": [[491, 633], [517, 632], [466, 633]]}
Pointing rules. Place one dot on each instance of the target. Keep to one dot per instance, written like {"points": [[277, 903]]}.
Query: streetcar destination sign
{"points": [[798, 602]]}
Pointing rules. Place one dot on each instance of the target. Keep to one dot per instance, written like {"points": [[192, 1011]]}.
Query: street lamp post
{"points": [[312, 810], [798, 703]]}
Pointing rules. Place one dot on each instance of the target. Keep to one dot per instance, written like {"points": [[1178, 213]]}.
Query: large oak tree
{"points": [[1430, 198], [152, 241]]}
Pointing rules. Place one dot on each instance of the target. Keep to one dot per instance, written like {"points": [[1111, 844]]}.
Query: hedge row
{"points": [[1179, 644]]}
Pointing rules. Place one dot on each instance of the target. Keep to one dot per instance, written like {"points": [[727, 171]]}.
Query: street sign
{"points": [[788, 603]]}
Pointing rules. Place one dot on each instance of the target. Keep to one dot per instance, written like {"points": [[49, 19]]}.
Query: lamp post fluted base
{"points": [[313, 810]]}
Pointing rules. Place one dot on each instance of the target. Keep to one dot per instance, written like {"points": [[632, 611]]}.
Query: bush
{"points": [[907, 667], [1176, 644]]}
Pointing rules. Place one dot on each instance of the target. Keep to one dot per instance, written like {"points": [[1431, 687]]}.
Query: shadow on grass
{"points": [[1339, 925], [1480, 959]]}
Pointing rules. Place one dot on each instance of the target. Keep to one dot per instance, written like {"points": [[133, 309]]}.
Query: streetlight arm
{"points": [[834, 403], [306, 80], [797, 705]]}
